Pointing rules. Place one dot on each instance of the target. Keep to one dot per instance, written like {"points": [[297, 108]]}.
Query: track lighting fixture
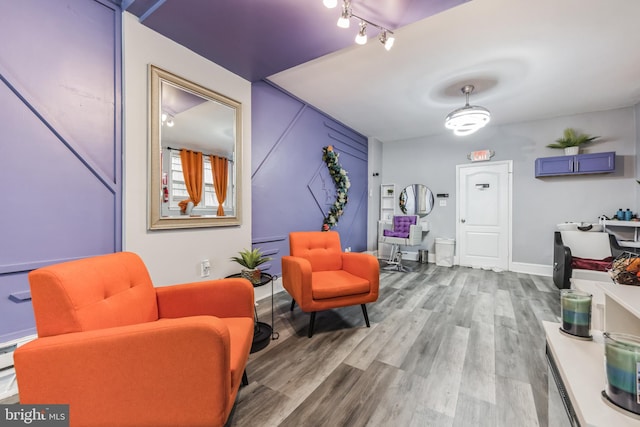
{"points": [[343, 21], [385, 37], [468, 119], [361, 38], [167, 119], [386, 40]]}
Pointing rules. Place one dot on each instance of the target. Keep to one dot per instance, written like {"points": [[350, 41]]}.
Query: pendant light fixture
{"points": [[468, 119]]}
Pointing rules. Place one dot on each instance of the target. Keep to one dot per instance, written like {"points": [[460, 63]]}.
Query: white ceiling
{"points": [[529, 59]]}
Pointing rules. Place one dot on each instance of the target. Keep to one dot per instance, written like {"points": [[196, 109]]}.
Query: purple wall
{"points": [[60, 142], [291, 186]]}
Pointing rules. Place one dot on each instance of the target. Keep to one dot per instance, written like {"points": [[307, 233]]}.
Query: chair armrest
{"points": [[415, 235], [296, 279], [616, 249], [158, 366], [363, 265], [220, 298], [562, 269]]}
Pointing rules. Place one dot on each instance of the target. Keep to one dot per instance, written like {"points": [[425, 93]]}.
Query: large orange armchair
{"points": [[123, 353], [319, 276]]}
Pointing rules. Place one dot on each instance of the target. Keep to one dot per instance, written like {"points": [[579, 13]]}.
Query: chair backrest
{"points": [[402, 226], [321, 248], [587, 244], [92, 293]]}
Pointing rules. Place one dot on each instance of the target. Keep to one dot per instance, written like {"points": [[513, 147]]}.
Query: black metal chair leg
{"points": [[366, 316], [311, 321], [245, 380], [293, 304]]}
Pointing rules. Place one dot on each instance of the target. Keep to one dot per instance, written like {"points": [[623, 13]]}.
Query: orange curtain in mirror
{"points": [[220, 171], [192, 172]]}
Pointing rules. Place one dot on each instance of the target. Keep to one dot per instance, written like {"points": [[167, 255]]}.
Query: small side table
{"points": [[262, 331]]}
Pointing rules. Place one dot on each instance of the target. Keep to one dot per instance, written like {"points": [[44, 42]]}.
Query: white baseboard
{"points": [[535, 269], [8, 383], [410, 255], [262, 294]]}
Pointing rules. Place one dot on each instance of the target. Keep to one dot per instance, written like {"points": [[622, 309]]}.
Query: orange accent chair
{"points": [[123, 353], [319, 276]]}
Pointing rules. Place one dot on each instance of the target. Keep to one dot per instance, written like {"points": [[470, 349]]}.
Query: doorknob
{"points": [[463, 220]]}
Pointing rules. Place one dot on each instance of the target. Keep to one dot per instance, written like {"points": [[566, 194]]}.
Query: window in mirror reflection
{"points": [[177, 200]]}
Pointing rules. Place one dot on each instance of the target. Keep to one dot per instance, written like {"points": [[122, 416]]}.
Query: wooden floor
{"points": [[447, 347]]}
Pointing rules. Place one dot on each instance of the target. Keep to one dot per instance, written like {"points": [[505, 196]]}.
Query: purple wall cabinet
{"points": [[60, 133], [291, 186], [580, 164]]}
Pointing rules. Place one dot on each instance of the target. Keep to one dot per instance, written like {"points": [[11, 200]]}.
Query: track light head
{"points": [[387, 39], [345, 16], [361, 38], [167, 119]]}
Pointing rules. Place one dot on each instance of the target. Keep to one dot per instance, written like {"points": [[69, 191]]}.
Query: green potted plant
{"points": [[250, 260], [571, 141]]}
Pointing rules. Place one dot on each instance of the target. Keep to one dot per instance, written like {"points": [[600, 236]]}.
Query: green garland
{"points": [[341, 180]]}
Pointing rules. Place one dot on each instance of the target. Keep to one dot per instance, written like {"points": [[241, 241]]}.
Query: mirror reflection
{"points": [[195, 155], [416, 199]]}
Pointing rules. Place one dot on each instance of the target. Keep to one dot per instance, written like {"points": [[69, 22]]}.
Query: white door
{"points": [[483, 230]]}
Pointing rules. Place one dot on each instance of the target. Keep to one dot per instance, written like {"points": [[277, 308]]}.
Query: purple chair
{"points": [[406, 231]]}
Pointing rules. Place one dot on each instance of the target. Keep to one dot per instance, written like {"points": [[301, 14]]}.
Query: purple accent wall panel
{"points": [[291, 186], [60, 142]]}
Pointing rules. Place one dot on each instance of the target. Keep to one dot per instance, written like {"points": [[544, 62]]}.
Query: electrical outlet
{"points": [[205, 268]]}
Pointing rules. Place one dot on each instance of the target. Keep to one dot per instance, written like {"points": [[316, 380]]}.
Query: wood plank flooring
{"points": [[447, 347]]}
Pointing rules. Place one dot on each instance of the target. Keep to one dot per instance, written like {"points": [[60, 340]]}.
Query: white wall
{"points": [[538, 204], [173, 256]]}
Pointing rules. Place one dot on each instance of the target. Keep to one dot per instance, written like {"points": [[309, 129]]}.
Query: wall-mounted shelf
{"points": [[387, 201], [388, 204], [580, 164]]}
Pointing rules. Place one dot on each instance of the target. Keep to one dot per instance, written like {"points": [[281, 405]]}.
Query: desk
{"points": [[262, 331]]}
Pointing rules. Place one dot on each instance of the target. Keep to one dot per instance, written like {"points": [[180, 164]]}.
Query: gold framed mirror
{"points": [[195, 155]]}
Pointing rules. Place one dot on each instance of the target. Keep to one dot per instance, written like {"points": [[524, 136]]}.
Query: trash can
{"points": [[423, 256], [444, 251]]}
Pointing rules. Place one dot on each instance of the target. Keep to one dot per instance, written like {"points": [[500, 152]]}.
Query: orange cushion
{"points": [[321, 248], [92, 293], [241, 333], [338, 283]]}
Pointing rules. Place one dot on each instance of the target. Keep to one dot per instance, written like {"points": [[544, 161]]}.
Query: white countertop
{"points": [[626, 295], [581, 366]]}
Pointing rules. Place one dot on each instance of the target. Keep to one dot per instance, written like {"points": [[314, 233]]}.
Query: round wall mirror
{"points": [[416, 199]]}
